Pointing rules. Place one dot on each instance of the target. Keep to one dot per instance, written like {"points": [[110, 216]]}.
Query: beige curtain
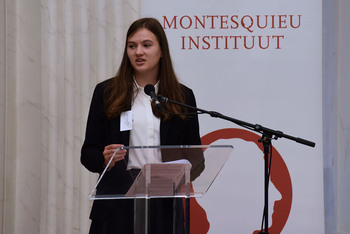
{"points": [[53, 53], [336, 96]]}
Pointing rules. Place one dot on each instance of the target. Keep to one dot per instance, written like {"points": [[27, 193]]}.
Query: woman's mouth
{"points": [[140, 61]]}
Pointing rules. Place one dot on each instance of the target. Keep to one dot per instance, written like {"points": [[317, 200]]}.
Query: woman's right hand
{"points": [[109, 151]]}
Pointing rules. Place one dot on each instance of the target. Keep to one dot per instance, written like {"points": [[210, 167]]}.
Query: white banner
{"points": [[260, 62]]}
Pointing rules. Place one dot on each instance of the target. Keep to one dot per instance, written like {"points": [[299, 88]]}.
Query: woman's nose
{"points": [[139, 50]]}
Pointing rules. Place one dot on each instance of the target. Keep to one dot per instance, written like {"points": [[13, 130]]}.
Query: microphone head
{"points": [[149, 89]]}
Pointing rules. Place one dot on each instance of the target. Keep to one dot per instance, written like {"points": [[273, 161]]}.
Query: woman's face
{"points": [[144, 52]]}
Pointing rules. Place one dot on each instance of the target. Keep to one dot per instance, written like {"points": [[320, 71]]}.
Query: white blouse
{"points": [[145, 130]]}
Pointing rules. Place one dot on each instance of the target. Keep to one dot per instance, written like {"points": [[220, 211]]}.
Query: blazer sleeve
{"points": [[192, 137], [92, 149], [186, 132], [192, 133]]}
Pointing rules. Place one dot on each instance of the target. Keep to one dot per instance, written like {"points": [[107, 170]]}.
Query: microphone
{"points": [[150, 91]]}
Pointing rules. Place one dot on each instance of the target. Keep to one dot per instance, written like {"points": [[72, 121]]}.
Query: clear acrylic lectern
{"points": [[189, 171]]}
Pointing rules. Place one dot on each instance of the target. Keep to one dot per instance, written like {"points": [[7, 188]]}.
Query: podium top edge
{"points": [[176, 147]]}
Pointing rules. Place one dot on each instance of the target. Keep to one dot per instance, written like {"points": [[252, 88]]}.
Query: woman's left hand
{"points": [[109, 151]]}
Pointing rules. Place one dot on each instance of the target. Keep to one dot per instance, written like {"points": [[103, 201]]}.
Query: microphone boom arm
{"points": [[275, 134]]}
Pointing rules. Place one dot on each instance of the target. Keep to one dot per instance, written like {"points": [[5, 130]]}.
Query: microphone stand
{"points": [[267, 135]]}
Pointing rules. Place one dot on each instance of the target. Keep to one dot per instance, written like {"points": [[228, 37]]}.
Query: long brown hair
{"points": [[119, 92]]}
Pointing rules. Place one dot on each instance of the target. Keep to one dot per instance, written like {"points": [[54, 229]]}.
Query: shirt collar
{"points": [[139, 88]]}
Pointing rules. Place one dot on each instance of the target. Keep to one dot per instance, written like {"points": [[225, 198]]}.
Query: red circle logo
{"points": [[279, 176]]}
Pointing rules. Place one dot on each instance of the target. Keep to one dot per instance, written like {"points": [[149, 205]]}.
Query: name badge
{"points": [[126, 121]]}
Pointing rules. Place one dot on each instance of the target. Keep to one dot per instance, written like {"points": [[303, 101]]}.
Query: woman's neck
{"points": [[143, 80]]}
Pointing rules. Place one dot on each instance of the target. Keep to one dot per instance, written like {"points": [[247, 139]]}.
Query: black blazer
{"points": [[101, 132]]}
